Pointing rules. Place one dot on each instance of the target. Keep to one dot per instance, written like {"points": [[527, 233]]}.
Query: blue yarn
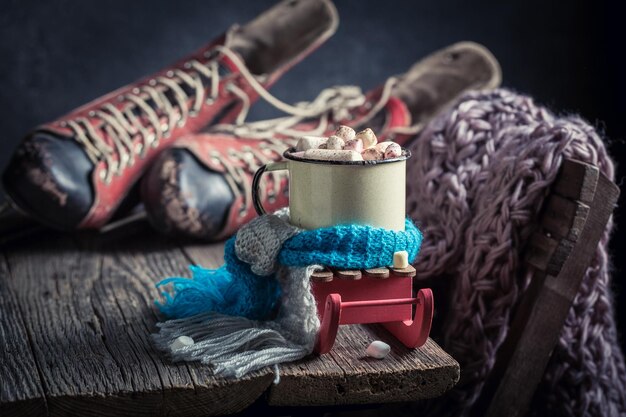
{"points": [[233, 289], [350, 246]]}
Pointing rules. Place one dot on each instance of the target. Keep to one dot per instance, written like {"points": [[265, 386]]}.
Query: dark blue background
{"points": [[58, 54]]}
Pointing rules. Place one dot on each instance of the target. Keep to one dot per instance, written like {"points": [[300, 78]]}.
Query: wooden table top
{"points": [[76, 314]]}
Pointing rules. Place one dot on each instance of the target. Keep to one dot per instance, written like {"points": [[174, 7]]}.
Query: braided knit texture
{"points": [[350, 246], [480, 174]]}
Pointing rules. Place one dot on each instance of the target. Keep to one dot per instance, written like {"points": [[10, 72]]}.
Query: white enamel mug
{"points": [[329, 193]]}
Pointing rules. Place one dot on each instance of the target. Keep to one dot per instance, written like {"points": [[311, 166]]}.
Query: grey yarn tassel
{"points": [[235, 346]]}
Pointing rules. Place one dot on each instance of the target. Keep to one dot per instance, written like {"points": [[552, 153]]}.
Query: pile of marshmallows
{"points": [[347, 145]]}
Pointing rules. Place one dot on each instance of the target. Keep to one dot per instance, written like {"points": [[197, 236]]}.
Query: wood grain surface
{"points": [[76, 314]]}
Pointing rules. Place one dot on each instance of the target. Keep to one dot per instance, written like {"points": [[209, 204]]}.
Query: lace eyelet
{"points": [[170, 73], [136, 91], [187, 65], [152, 82], [271, 199], [91, 113]]}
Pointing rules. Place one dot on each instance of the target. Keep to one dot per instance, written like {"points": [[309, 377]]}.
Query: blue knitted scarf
{"points": [[235, 290]]}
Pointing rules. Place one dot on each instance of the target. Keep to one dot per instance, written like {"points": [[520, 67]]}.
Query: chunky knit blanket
{"points": [[480, 173], [257, 310]]}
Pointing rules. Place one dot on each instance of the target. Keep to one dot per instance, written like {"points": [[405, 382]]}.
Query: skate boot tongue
{"points": [[283, 35], [434, 83]]}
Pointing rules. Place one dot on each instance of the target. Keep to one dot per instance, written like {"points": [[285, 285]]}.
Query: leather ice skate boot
{"points": [[201, 187], [76, 171]]}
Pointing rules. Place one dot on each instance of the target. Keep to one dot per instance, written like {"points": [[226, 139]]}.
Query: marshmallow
{"points": [[401, 259], [332, 155], [368, 137], [378, 349], [372, 154], [335, 142], [181, 342], [382, 146], [354, 145], [309, 142], [345, 132], [393, 151]]}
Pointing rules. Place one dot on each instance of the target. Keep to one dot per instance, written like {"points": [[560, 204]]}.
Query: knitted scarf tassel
{"points": [[257, 310]]}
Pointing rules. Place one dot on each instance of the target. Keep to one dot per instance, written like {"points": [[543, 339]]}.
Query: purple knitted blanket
{"points": [[476, 185]]}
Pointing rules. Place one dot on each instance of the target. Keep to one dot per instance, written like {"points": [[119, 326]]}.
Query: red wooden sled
{"points": [[378, 295]]}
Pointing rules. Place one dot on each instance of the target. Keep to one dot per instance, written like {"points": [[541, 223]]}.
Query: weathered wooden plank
{"points": [[540, 250], [90, 311], [576, 181], [208, 255], [54, 284], [347, 376], [562, 252], [195, 391], [541, 315], [564, 218], [21, 391]]}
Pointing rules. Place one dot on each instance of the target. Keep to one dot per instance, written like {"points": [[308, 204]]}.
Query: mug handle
{"points": [[256, 200]]}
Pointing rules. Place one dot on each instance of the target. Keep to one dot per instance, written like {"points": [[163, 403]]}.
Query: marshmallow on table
{"points": [[378, 349], [309, 142], [181, 342], [332, 155], [345, 133], [335, 142], [368, 137], [372, 154]]}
